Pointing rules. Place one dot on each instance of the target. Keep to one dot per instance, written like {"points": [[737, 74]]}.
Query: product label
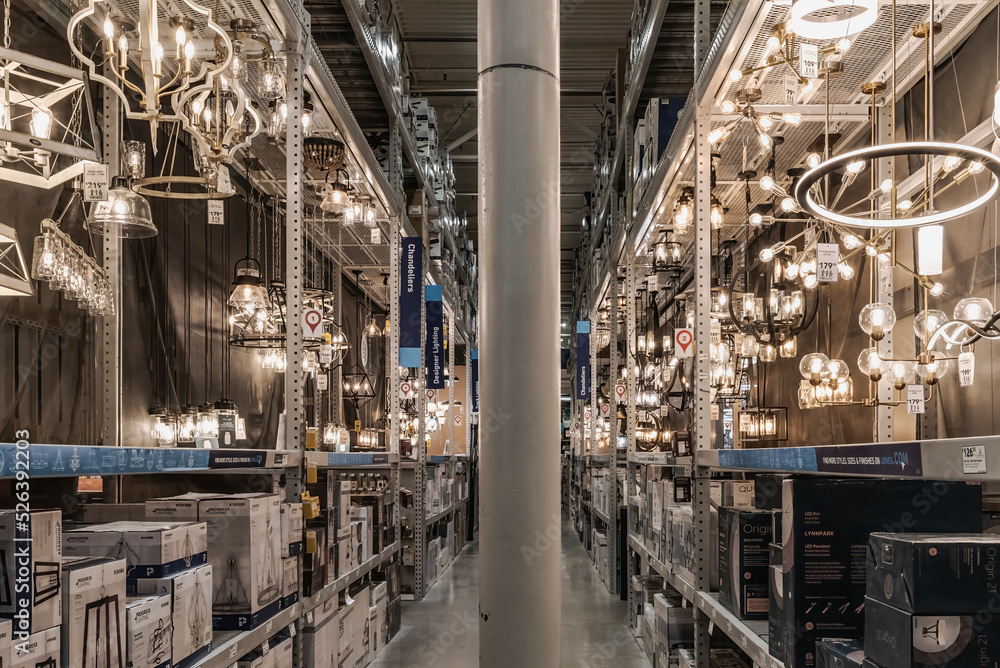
{"points": [[966, 368], [827, 256], [216, 212], [973, 459], [914, 399], [95, 182]]}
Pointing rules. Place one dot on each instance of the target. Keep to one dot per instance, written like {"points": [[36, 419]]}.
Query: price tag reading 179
{"points": [[827, 257]]}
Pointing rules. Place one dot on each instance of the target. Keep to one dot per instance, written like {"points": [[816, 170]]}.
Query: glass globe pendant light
{"points": [[248, 294], [877, 320], [124, 214]]}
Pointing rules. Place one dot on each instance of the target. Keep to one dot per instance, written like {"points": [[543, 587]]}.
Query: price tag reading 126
{"points": [[827, 256], [914, 399], [973, 459]]}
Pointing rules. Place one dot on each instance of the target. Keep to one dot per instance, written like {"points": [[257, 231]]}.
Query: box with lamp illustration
{"points": [[149, 631], [190, 595], [40, 650], [93, 629], [45, 555]]}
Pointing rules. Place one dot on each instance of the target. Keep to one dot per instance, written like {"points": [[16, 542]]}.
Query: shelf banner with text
{"points": [[583, 360], [475, 381], [434, 294], [410, 298]]}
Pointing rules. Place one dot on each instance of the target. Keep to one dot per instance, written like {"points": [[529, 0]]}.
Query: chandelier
{"points": [[762, 425], [69, 269]]}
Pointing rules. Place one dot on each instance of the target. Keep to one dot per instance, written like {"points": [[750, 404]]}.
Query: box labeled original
{"points": [[93, 628], [190, 595], [744, 537], [40, 650], [244, 551], [148, 632], [840, 654], [826, 524], [895, 638], [43, 556], [935, 573], [152, 549]]}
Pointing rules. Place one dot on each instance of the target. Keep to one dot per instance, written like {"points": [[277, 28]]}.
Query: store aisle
{"points": [[442, 631]]}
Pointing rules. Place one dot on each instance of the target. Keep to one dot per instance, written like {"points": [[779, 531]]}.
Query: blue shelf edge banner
{"points": [[410, 301], [474, 373], [895, 459], [434, 295], [583, 360]]}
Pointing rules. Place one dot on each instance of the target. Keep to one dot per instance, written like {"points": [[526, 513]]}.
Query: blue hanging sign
{"points": [[410, 298], [434, 294], [583, 360], [475, 381]]}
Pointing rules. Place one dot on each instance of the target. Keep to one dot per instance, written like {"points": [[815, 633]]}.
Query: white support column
{"points": [[519, 213]]}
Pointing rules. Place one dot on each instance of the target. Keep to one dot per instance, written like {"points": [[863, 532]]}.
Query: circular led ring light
{"points": [[839, 18], [805, 199]]}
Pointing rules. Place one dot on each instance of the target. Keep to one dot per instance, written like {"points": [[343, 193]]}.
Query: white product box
{"points": [[289, 581], [45, 564], [378, 618], [149, 630], [291, 529], [357, 543], [153, 549], [362, 515], [6, 633], [320, 635], [361, 628], [345, 555], [40, 649], [348, 616], [93, 628], [180, 508], [282, 653], [342, 501], [191, 611], [244, 550], [100, 513], [252, 660]]}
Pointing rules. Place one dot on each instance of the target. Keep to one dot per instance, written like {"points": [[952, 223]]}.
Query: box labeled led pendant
{"points": [[152, 549], [895, 638], [245, 553], [93, 628], [744, 537], [190, 595], [938, 573], [149, 632], [43, 558], [826, 524], [840, 654], [40, 650]]}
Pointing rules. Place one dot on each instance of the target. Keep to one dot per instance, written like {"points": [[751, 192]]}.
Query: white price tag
{"points": [[322, 382], [711, 628], [233, 651], [95, 182], [716, 332], [827, 257], [809, 61], [715, 411], [973, 459], [291, 630], [376, 235], [791, 88], [966, 368], [309, 617], [265, 647], [326, 354], [914, 399], [216, 212]]}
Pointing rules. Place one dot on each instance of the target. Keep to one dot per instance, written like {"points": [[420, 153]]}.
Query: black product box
{"points": [[895, 638], [826, 524], [840, 654], [776, 602], [934, 573], [767, 491], [744, 536]]}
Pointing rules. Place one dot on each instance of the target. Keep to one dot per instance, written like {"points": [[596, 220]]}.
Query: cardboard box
{"points": [[342, 504], [895, 638], [777, 603], [46, 570], [282, 652], [148, 632], [289, 582], [101, 513], [674, 627], [744, 537], [315, 567], [93, 628], [321, 635], [40, 649], [934, 573], [767, 491], [361, 625], [346, 623], [379, 622], [244, 551], [361, 521], [190, 595], [180, 508], [6, 636], [152, 549], [826, 525], [840, 654], [394, 615], [291, 529]]}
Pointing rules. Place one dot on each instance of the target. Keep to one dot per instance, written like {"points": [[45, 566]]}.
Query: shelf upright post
{"points": [[111, 326], [452, 413], [703, 305], [613, 429], [420, 469], [519, 211], [883, 170], [392, 355], [395, 159], [630, 417], [337, 379]]}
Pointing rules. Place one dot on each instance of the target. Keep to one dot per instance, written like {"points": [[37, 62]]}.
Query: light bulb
{"points": [[180, 36], [728, 107], [846, 270], [109, 28], [773, 43], [792, 271], [766, 255], [189, 50], [856, 167], [792, 118], [766, 183], [905, 205], [951, 163], [41, 122], [852, 241], [716, 135], [735, 75], [158, 52], [886, 186], [813, 160], [756, 220], [810, 281], [937, 289], [765, 141], [766, 122], [976, 167], [788, 204]]}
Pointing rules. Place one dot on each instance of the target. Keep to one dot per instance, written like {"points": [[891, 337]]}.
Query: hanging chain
{"points": [[6, 24]]}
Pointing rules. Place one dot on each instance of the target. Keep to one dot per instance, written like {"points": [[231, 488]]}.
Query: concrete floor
{"points": [[443, 630]]}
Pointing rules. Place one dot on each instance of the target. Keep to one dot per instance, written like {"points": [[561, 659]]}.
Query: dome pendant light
{"points": [[124, 214]]}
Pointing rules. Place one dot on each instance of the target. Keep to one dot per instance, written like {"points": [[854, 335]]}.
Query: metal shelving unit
{"points": [[229, 646]]}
